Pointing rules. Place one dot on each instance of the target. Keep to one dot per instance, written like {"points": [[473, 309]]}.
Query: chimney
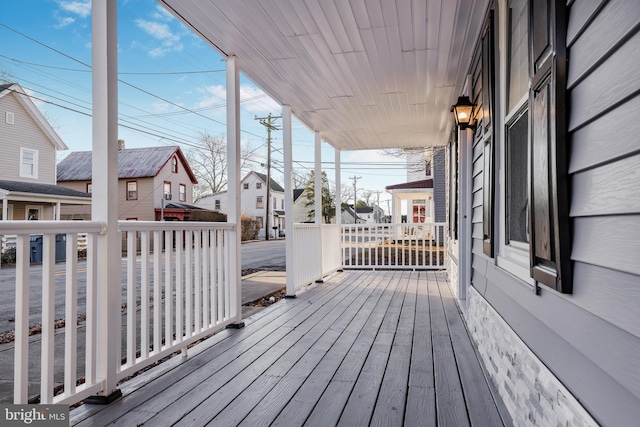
{"points": [[120, 144]]}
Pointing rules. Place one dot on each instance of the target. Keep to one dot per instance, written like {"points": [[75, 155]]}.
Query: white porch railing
{"points": [[418, 246], [318, 247], [176, 288]]}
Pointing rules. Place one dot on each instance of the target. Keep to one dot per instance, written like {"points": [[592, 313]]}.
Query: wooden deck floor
{"points": [[364, 348]]}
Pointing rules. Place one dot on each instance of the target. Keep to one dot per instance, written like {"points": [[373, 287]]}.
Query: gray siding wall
{"points": [[438, 170], [590, 339], [23, 133]]}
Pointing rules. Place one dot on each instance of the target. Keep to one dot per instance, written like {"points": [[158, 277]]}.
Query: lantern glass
{"points": [[463, 112]]}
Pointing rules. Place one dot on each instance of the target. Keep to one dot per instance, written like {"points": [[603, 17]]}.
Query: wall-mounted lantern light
{"points": [[463, 112]]}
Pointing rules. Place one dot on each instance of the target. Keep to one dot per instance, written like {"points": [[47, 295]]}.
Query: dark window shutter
{"points": [[488, 188], [549, 220]]}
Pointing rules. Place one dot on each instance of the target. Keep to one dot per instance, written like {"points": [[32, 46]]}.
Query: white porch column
{"points": [[318, 194], [233, 185], [288, 198], [56, 213], [338, 188], [318, 178], [5, 209], [465, 147], [105, 194]]}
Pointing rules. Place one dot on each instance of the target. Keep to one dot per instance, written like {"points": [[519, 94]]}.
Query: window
{"points": [[517, 188], [33, 213], [282, 204], [217, 204], [419, 210], [9, 212], [258, 185], [274, 203], [132, 190], [245, 186], [9, 118], [259, 203], [183, 193], [89, 188], [259, 222], [28, 163], [174, 164], [166, 191]]}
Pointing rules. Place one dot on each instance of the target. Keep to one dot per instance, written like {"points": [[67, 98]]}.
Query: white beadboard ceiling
{"points": [[364, 73]]}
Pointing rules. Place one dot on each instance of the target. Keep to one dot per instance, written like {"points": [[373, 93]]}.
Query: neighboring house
{"points": [[369, 215], [300, 208], [348, 215], [253, 202], [154, 183], [424, 194], [28, 151]]}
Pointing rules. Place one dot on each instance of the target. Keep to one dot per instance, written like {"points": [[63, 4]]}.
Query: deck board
{"points": [[364, 348]]}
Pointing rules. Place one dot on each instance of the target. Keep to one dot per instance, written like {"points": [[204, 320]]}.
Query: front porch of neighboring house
{"points": [[371, 329]]}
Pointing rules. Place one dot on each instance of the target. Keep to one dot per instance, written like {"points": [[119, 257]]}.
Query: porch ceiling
{"points": [[364, 73]]}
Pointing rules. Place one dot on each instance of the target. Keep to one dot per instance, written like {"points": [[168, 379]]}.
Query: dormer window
{"points": [[174, 164]]}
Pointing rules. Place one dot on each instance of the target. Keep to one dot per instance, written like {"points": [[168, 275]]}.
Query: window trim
{"points": [[245, 186], [259, 200], [39, 208], [258, 185], [35, 153], [127, 191], [216, 204], [88, 187], [182, 195], [164, 190]]}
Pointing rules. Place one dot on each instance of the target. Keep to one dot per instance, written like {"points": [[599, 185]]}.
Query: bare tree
{"points": [[209, 163], [419, 164]]}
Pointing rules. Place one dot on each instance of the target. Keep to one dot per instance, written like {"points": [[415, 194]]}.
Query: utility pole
{"points": [[268, 123], [377, 211]]}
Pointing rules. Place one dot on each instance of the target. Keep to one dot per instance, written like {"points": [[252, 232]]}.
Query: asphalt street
{"points": [[255, 255]]}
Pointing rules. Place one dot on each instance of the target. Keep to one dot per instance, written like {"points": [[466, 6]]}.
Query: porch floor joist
{"points": [[363, 348]]}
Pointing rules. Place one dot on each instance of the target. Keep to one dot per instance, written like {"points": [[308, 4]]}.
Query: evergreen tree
{"points": [[328, 205]]}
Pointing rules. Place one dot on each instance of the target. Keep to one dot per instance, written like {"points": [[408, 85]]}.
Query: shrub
{"points": [[249, 228], [9, 256]]}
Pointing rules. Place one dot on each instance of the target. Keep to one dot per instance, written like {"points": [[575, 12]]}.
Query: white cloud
{"points": [[255, 101], [162, 14], [64, 21], [161, 31], [213, 95], [77, 7]]}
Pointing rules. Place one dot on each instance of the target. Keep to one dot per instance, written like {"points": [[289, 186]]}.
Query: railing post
{"points": [[105, 194], [233, 184]]}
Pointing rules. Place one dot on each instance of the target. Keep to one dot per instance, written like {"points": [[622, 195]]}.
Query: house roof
{"points": [[40, 189], [132, 163], [297, 192], [423, 183], [16, 90], [186, 206], [364, 210], [274, 185]]}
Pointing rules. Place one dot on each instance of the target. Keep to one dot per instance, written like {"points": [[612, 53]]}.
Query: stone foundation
{"points": [[532, 394]]}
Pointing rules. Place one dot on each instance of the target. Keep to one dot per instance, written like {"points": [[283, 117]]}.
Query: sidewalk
{"points": [[254, 287]]}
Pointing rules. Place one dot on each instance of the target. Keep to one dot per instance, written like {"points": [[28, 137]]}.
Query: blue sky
{"points": [[172, 84]]}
